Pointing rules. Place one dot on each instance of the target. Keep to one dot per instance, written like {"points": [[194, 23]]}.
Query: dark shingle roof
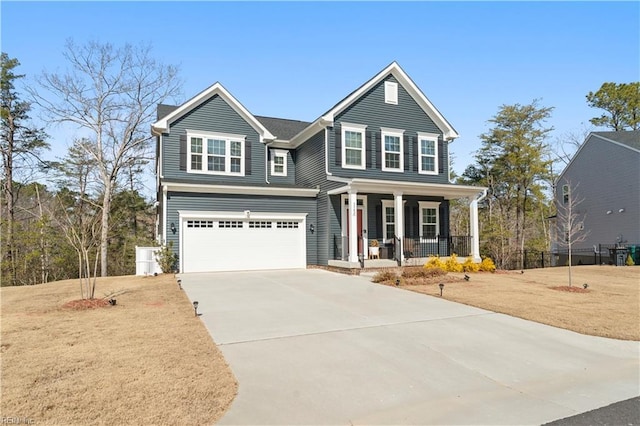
{"points": [[630, 138], [164, 110], [283, 128]]}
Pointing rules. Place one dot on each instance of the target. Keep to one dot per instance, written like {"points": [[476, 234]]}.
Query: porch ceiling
{"points": [[374, 186]]}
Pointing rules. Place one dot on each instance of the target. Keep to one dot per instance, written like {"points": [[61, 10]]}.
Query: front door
{"points": [[359, 220]]}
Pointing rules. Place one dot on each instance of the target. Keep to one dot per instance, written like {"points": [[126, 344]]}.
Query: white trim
{"points": [[162, 125], [354, 128], [377, 186], [391, 92], [240, 190], [280, 153], [385, 131], [430, 137], [235, 215], [428, 205], [164, 216], [385, 205], [228, 138], [365, 222]]}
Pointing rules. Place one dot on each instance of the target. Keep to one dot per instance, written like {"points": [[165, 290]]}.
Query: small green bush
{"points": [[487, 265], [630, 261], [166, 258], [384, 276], [470, 266]]}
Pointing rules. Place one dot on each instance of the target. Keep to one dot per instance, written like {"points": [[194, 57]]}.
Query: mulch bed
{"points": [[571, 289], [82, 304]]}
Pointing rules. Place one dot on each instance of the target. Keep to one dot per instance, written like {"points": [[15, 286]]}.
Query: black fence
{"points": [[602, 254]]}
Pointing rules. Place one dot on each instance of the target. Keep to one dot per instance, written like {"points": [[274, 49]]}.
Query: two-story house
{"points": [[238, 191], [601, 184]]}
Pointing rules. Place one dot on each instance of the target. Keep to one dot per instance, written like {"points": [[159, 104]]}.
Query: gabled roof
{"points": [[283, 128], [162, 125], [627, 139], [403, 79]]}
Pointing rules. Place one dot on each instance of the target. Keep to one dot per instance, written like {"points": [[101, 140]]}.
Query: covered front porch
{"points": [[420, 228]]}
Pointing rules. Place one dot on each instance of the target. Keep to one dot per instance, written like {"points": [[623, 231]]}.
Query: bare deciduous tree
{"points": [[569, 221], [111, 93]]}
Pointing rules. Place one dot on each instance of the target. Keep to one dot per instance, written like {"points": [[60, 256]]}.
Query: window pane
{"points": [[428, 165], [353, 157], [429, 215], [389, 214], [391, 230], [392, 161], [428, 231], [278, 160], [216, 164], [352, 139], [236, 149], [392, 143], [196, 162], [235, 165], [427, 147], [196, 145], [215, 147]]}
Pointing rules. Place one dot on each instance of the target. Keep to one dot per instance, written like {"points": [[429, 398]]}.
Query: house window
{"points": [[565, 194], [353, 146], [393, 160], [428, 153], [278, 162], [390, 92], [216, 153], [388, 220], [429, 220]]}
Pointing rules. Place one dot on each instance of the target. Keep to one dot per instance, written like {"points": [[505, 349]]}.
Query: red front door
{"points": [[359, 230]]}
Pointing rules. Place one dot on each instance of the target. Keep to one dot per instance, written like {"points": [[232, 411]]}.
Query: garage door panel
{"points": [[228, 245]]}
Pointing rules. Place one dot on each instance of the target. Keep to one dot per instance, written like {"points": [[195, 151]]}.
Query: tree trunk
{"points": [[104, 233]]}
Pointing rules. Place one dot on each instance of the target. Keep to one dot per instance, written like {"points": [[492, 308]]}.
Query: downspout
{"points": [[326, 152], [266, 161]]}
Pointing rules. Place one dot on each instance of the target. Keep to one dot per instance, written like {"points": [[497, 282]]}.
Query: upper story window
{"points": [[353, 146], [392, 150], [216, 153], [278, 162], [428, 153], [429, 220], [565, 194], [390, 92]]}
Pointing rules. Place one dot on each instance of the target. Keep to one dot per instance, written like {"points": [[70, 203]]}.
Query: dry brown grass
{"points": [[609, 308], [147, 360]]}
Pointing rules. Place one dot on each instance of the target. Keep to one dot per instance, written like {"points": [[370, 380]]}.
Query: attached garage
{"points": [[224, 241]]}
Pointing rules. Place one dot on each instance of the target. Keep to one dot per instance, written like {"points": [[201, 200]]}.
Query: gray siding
{"points": [[372, 111], [239, 203], [215, 115], [607, 177]]}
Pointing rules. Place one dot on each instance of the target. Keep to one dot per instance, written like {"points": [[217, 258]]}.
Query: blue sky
{"points": [[297, 59]]}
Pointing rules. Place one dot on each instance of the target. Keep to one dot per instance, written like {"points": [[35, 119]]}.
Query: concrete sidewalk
{"points": [[314, 347]]}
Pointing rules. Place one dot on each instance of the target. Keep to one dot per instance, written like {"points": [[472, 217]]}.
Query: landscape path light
{"points": [[195, 307], [441, 288]]}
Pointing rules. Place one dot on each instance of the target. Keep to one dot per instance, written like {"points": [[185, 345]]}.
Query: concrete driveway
{"points": [[315, 347]]}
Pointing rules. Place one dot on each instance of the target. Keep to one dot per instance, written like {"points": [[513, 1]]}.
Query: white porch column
{"points": [[399, 217], [353, 226], [474, 228]]}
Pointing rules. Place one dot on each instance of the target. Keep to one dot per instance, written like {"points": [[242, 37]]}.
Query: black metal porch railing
{"points": [[438, 246], [412, 247]]}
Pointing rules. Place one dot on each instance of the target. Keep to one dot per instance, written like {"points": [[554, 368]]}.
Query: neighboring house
{"points": [[238, 191], [603, 180]]}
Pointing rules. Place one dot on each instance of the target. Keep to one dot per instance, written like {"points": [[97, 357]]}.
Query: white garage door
{"points": [[242, 244]]}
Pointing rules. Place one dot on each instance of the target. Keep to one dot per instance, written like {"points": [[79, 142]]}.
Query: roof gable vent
{"points": [[390, 92]]}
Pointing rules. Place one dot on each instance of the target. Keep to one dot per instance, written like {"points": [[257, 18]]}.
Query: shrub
{"points": [[384, 276], [452, 264], [422, 272], [487, 265], [630, 261], [166, 258], [435, 262], [470, 266]]}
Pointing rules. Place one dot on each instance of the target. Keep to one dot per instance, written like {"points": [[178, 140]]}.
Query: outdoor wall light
{"points": [[441, 288], [173, 227], [312, 228], [195, 307]]}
